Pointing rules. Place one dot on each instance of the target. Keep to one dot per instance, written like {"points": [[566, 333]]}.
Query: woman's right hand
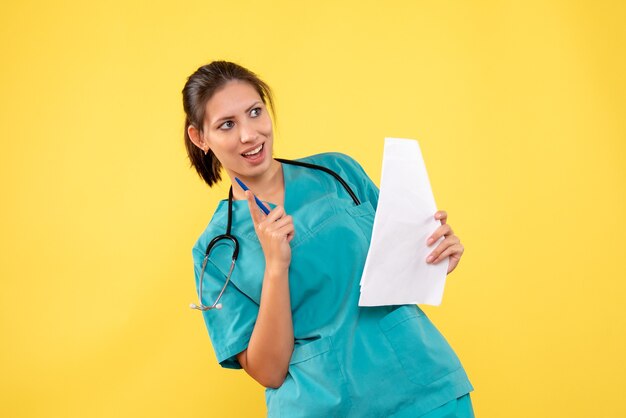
{"points": [[274, 231]]}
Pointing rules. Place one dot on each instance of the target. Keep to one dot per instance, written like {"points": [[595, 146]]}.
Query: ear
{"points": [[197, 139]]}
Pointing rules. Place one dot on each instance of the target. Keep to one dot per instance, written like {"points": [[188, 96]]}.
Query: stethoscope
{"points": [[229, 237]]}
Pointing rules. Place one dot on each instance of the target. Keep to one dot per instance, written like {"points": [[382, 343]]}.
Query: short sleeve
{"points": [[229, 328]]}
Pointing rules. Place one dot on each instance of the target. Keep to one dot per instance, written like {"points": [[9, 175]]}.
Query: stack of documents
{"points": [[396, 271]]}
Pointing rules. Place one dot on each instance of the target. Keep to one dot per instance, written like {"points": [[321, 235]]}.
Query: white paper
{"points": [[396, 271]]}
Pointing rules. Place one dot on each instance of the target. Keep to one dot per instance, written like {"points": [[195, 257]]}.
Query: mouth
{"points": [[254, 153]]}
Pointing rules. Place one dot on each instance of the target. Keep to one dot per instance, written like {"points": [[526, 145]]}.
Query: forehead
{"points": [[231, 99]]}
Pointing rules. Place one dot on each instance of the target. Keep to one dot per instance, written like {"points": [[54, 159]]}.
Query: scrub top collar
{"points": [[241, 213]]}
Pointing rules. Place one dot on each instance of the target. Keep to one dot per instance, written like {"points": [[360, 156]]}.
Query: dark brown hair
{"points": [[198, 90]]}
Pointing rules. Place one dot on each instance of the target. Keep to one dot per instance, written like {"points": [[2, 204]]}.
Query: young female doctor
{"points": [[279, 292]]}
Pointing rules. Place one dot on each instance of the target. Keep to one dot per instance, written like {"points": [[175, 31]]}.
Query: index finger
{"points": [[255, 212]]}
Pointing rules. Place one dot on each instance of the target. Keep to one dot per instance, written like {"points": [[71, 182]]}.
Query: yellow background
{"points": [[520, 112]]}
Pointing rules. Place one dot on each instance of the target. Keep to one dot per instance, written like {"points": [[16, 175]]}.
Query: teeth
{"points": [[254, 151]]}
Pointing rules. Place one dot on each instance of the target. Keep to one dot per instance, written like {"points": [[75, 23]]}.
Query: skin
{"points": [[248, 124], [450, 246], [236, 120]]}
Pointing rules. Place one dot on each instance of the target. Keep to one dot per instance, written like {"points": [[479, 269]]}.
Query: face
{"points": [[238, 129]]}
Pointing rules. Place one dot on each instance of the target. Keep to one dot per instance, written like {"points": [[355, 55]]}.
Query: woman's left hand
{"points": [[450, 246]]}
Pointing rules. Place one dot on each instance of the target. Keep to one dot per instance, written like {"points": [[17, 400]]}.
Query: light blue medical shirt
{"points": [[348, 361]]}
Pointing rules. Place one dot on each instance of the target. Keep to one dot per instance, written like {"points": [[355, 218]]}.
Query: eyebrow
{"points": [[232, 117]]}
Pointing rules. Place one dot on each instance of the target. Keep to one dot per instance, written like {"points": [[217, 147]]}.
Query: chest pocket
{"points": [[363, 217], [326, 268]]}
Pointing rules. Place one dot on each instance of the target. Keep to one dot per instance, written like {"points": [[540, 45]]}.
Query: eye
{"points": [[227, 125], [255, 112]]}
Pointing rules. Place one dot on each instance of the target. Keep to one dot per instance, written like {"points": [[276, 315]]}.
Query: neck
{"points": [[268, 187]]}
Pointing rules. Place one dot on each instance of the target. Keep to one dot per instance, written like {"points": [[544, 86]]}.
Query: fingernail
{"points": [[429, 259], [430, 240]]}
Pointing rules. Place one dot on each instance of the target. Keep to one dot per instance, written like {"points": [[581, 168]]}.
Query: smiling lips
{"points": [[253, 152]]}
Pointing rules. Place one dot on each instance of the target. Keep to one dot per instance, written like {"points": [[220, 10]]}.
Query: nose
{"points": [[248, 133]]}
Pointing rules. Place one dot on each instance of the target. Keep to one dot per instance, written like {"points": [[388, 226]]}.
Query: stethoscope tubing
{"points": [[230, 237]]}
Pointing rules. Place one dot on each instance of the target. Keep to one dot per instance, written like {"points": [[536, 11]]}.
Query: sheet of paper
{"points": [[396, 271]]}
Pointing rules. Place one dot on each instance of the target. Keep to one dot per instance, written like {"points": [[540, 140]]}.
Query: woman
{"points": [[288, 307]]}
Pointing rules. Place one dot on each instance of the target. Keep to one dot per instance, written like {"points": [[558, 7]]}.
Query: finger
{"points": [[452, 264], [443, 246], [284, 221], [291, 230], [443, 230], [281, 234], [448, 251], [285, 231], [270, 227], [275, 214], [441, 215], [451, 250], [255, 212]]}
